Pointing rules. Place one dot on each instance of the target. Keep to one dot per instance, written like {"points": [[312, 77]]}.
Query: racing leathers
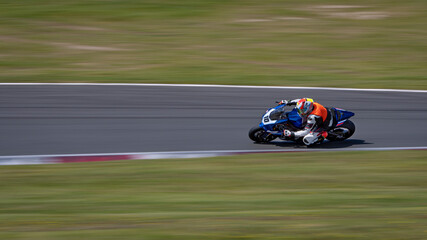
{"points": [[316, 123]]}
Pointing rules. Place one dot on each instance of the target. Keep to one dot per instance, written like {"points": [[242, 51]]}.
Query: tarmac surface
{"points": [[58, 119]]}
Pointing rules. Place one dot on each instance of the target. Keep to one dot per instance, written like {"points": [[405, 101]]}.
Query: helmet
{"points": [[304, 106]]}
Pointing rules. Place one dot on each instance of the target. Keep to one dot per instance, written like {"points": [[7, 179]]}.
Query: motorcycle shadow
{"points": [[325, 145], [341, 144]]}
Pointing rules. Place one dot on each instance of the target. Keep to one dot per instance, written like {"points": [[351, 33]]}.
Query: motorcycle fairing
{"points": [[271, 118], [294, 118], [341, 114]]}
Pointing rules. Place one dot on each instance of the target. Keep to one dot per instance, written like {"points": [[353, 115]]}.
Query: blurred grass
{"points": [[335, 195], [273, 42]]}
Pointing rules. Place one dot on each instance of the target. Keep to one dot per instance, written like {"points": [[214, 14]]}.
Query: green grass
{"points": [[297, 43], [351, 195]]}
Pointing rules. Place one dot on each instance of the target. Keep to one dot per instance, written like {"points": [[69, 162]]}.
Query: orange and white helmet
{"points": [[304, 106]]}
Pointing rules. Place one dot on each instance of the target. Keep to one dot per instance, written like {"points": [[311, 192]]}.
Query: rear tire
{"points": [[342, 132], [258, 134]]}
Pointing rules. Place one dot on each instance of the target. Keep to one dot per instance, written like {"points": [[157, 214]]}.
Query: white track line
{"points": [[215, 86]]}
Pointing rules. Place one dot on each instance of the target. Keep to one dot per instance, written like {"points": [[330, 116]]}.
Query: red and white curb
{"points": [[75, 158]]}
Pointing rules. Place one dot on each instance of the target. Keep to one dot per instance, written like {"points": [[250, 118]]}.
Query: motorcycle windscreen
{"points": [[342, 114], [277, 114]]}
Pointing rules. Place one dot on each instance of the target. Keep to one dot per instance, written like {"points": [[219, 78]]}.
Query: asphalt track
{"points": [[80, 119]]}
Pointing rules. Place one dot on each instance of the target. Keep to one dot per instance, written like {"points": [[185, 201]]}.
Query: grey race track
{"points": [[57, 119]]}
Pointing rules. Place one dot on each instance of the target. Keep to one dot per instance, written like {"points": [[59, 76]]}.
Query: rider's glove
{"points": [[283, 102], [288, 135]]}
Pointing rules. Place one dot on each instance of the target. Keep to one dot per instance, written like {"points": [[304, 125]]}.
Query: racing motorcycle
{"points": [[277, 119]]}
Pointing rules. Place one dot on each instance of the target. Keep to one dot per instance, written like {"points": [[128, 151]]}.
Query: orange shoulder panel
{"points": [[320, 111]]}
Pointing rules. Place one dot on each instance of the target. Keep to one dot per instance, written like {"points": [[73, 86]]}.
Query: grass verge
{"points": [[339, 195], [326, 43]]}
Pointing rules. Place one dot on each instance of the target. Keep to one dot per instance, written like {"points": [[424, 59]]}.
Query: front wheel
{"points": [[258, 134], [342, 132]]}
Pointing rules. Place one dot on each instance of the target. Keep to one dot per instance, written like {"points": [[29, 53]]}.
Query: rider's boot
{"points": [[314, 138]]}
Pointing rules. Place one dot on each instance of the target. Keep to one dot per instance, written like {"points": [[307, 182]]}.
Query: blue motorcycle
{"points": [[277, 119]]}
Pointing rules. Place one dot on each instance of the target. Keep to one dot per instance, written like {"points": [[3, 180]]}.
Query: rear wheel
{"points": [[258, 134], [342, 132]]}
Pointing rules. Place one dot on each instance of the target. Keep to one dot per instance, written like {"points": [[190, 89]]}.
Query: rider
{"points": [[316, 118]]}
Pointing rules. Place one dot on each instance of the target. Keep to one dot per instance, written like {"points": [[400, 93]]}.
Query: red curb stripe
{"points": [[76, 159]]}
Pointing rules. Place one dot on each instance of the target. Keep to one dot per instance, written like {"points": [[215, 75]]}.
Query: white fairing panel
{"points": [[266, 118]]}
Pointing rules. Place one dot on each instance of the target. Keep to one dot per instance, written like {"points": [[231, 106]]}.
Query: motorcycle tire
{"points": [[342, 132], [259, 135]]}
